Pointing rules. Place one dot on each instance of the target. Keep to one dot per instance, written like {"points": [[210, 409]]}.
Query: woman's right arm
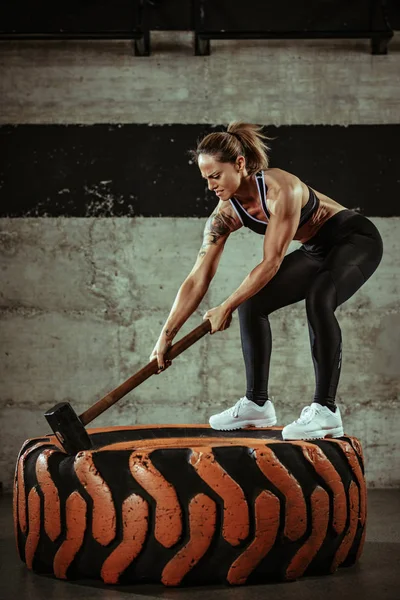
{"points": [[219, 225]]}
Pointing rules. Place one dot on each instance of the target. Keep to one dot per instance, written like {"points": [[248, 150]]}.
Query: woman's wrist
{"points": [[227, 305]]}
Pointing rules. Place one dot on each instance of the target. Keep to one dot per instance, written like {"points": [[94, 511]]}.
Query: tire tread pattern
{"points": [[180, 511]]}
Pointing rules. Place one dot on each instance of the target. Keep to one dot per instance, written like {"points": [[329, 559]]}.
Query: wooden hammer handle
{"points": [[144, 373]]}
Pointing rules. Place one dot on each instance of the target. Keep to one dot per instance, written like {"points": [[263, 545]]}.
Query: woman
{"points": [[340, 250]]}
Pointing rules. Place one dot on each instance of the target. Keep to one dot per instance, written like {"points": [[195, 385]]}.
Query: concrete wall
{"points": [[272, 82], [83, 299]]}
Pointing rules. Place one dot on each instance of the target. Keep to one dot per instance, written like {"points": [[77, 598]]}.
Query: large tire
{"points": [[189, 505]]}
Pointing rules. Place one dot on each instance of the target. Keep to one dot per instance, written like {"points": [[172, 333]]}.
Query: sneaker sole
{"points": [[246, 424], [319, 435]]}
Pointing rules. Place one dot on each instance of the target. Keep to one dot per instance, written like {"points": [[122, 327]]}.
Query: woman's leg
{"points": [[346, 268], [291, 284]]}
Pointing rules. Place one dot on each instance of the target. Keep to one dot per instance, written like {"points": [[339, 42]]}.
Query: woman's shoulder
{"points": [[279, 178]]}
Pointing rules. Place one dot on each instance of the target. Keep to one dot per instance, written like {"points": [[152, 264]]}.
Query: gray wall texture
{"points": [[83, 299]]}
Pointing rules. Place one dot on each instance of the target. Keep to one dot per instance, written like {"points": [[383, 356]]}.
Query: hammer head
{"points": [[68, 428]]}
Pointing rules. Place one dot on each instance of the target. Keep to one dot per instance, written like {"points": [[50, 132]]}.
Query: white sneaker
{"points": [[315, 422], [245, 413]]}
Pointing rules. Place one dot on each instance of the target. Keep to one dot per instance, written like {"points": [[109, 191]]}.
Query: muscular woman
{"points": [[340, 250]]}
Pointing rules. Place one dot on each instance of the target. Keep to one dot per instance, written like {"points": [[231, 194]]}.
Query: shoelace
{"points": [[235, 409], [307, 414]]}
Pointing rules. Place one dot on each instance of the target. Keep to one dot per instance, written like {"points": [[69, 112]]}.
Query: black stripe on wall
{"points": [[143, 170], [289, 15]]}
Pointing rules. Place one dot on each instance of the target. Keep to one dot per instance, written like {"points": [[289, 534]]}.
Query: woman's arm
{"points": [[282, 226], [217, 229]]}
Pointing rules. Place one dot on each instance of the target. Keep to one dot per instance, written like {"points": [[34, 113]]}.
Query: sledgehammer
{"points": [[70, 429]]}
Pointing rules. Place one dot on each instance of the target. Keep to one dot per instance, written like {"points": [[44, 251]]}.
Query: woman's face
{"points": [[223, 178]]}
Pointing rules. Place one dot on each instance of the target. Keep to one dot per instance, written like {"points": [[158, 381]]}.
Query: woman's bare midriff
{"points": [[326, 209], [277, 178]]}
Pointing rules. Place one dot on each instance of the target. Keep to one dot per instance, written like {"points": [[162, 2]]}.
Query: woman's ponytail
{"points": [[240, 138]]}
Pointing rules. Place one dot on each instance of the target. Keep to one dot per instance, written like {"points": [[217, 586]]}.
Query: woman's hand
{"points": [[220, 317], [160, 349]]}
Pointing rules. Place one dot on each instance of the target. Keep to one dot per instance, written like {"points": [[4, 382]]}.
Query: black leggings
{"points": [[325, 271]]}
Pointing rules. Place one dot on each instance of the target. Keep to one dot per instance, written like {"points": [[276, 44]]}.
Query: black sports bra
{"points": [[259, 226]]}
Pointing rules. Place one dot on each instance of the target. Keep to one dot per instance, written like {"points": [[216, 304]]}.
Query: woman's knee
{"points": [[322, 295], [251, 309]]}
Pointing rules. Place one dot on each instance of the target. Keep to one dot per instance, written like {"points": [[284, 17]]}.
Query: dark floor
{"points": [[375, 577]]}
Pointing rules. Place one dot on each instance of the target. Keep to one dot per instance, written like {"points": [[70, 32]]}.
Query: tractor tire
{"points": [[189, 505]]}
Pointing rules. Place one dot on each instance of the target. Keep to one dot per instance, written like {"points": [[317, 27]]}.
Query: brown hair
{"points": [[240, 139]]}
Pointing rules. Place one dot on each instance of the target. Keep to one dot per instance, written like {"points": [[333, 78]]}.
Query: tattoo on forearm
{"points": [[203, 250], [171, 333]]}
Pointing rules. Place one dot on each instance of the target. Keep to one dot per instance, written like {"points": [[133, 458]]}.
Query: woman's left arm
{"points": [[282, 227]]}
